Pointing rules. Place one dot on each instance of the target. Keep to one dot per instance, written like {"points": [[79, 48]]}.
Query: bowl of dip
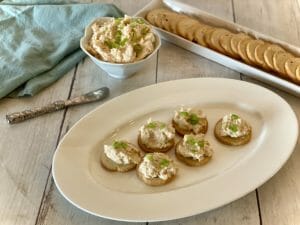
{"points": [[120, 46]]}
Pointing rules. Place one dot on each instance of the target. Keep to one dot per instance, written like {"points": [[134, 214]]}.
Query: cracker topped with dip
{"points": [[156, 136], [190, 121], [194, 150], [156, 169], [120, 156], [122, 40], [233, 130]]}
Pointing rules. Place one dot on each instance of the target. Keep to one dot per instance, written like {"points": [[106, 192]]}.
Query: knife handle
{"points": [[35, 112]]}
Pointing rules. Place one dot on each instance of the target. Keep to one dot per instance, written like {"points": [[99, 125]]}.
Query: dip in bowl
{"points": [[120, 46]]}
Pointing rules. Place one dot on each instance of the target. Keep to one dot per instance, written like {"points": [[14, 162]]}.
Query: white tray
{"points": [[215, 56], [232, 173]]}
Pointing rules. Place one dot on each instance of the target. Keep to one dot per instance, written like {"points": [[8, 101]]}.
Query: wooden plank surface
{"points": [[177, 63], [27, 192], [26, 150], [280, 196]]}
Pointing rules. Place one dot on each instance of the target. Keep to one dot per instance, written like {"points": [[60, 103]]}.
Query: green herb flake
{"points": [[164, 163], [233, 127], [201, 143], [118, 20], [193, 119], [162, 126], [123, 42], [149, 157], [119, 144], [139, 21], [194, 151], [234, 117], [184, 114], [111, 44], [151, 125], [145, 30], [191, 141]]}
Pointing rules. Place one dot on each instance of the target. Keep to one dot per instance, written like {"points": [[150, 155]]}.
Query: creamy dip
{"points": [[195, 146], [234, 126], [122, 40], [122, 152], [190, 119], [156, 134], [157, 165]]}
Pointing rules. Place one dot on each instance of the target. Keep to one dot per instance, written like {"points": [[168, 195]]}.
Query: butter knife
{"points": [[92, 96]]}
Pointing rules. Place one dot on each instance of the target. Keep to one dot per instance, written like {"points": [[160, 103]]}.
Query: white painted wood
{"points": [[26, 149], [177, 63], [25, 154], [280, 196], [55, 209]]}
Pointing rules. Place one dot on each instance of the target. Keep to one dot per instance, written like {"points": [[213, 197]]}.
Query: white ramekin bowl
{"points": [[116, 70]]}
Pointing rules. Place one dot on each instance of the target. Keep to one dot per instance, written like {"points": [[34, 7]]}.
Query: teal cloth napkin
{"points": [[40, 43]]}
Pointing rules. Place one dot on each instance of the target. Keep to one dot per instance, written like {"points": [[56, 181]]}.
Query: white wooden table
{"points": [[28, 195]]}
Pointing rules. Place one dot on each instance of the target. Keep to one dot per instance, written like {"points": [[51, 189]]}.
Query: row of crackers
{"points": [[265, 55]]}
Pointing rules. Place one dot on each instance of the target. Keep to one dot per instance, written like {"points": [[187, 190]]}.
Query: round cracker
{"points": [[152, 15], [259, 55], [225, 43], [230, 140], [145, 148], [243, 51], [170, 20], [174, 20], [207, 34], [298, 75], [269, 53], [291, 66], [199, 35], [179, 130], [190, 35], [189, 160], [215, 39], [184, 25], [234, 41], [279, 60], [250, 49]]}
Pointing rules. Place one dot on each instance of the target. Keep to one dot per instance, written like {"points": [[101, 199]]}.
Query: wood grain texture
{"points": [[240, 212], [280, 196], [55, 209], [27, 192], [25, 154], [177, 63]]}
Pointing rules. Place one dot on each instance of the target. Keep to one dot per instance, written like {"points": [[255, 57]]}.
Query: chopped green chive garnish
{"points": [[201, 143], [164, 163], [193, 119], [119, 144], [140, 21], [191, 141], [184, 114], [151, 125], [149, 157], [234, 117], [118, 20], [123, 42], [233, 127], [145, 30], [162, 126]]}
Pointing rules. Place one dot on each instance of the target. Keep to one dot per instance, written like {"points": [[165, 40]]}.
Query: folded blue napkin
{"points": [[39, 43]]}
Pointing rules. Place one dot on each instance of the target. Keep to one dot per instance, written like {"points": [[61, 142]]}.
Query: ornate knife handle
{"points": [[31, 113], [92, 96]]}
